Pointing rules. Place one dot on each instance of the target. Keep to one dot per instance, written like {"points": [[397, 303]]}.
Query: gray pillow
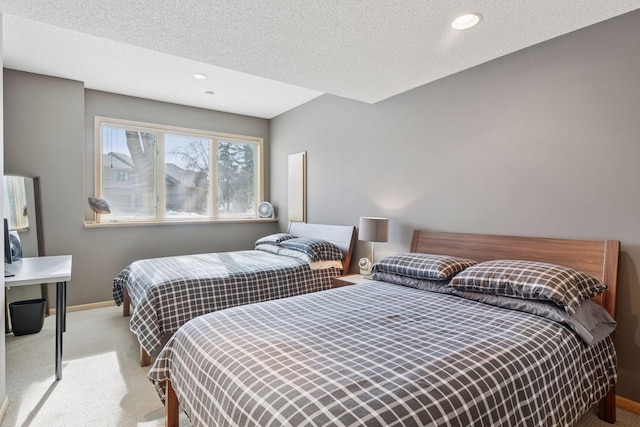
{"points": [[425, 285], [530, 280], [422, 266], [591, 322]]}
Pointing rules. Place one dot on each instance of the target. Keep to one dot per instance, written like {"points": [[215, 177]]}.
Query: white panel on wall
{"points": [[298, 187]]}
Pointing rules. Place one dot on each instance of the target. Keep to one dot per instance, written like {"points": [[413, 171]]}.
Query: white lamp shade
{"points": [[373, 229]]}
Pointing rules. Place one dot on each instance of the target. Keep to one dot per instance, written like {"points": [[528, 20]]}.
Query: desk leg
{"points": [[61, 314], [6, 313], [64, 306]]}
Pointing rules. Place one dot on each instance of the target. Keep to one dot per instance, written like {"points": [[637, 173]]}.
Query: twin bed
{"points": [[405, 351], [168, 292]]}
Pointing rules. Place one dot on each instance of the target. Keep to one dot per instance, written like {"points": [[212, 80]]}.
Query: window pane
{"points": [[186, 170], [129, 172], [236, 179]]}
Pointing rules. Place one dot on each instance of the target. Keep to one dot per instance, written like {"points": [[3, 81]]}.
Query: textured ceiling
{"points": [[265, 57]]}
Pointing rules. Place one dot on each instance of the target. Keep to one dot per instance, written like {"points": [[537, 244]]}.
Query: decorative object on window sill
{"points": [[99, 207], [371, 229], [265, 210]]}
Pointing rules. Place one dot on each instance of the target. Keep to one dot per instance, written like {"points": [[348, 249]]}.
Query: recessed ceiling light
{"points": [[209, 92], [466, 21], [200, 76]]}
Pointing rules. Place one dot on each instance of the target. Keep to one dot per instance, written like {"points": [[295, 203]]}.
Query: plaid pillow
{"points": [[318, 250], [530, 280], [422, 266], [274, 239]]}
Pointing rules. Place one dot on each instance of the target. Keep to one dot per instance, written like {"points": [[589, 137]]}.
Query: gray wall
{"points": [[542, 142], [44, 120], [49, 133], [3, 389]]}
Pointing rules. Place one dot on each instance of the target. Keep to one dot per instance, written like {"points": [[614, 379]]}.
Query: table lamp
{"points": [[371, 229]]}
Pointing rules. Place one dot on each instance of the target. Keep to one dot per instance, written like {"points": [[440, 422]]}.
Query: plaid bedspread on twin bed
{"points": [[378, 354], [168, 292]]}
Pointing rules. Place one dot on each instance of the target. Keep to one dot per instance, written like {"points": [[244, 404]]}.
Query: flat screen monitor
{"points": [[8, 258]]}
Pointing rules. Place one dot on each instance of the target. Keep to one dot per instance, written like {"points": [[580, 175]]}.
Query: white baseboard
{"points": [[90, 306]]}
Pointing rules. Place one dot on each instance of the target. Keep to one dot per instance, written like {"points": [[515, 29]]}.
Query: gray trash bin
{"points": [[27, 317]]}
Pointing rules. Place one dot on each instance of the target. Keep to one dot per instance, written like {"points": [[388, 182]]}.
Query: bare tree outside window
{"points": [[131, 154], [187, 176], [142, 148]]}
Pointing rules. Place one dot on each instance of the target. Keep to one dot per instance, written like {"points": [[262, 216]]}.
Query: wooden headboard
{"points": [[343, 236], [598, 258]]}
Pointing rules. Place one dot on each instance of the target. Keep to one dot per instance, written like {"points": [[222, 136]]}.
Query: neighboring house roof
{"points": [[187, 177], [174, 174], [118, 160]]}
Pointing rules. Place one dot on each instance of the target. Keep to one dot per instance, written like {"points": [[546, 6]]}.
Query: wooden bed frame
{"points": [[343, 236], [598, 258]]}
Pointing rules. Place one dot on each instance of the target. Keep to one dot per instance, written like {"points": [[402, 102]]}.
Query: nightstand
{"points": [[352, 279]]}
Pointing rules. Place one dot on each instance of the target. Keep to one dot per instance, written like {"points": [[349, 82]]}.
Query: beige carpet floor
{"points": [[102, 383]]}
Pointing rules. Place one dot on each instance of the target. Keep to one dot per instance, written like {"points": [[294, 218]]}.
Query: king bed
{"points": [[465, 330], [167, 292]]}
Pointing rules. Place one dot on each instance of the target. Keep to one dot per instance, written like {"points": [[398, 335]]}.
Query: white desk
{"points": [[46, 269]]}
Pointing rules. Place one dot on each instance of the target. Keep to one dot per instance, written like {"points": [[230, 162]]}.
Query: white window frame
{"points": [[161, 130]]}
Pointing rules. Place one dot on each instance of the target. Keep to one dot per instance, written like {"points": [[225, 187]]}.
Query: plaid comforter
{"points": [[378, 354], [168, 292]]}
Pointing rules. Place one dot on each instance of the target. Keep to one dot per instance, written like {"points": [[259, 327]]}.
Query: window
{"points": [[158, 173], [122, 176]]}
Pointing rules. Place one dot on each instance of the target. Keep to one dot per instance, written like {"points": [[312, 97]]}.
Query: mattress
{"points": [[380, 354], [167, 292]]}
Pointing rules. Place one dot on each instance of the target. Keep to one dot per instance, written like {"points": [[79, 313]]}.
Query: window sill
{"points": [[94, 224]]}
